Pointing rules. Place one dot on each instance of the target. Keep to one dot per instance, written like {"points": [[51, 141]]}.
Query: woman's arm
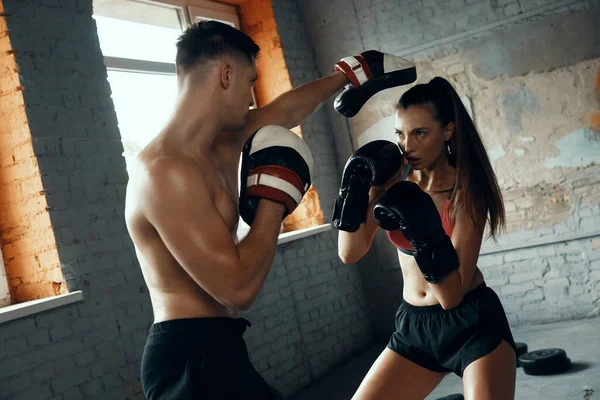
{"points": [[352, 246], [466, 240]]}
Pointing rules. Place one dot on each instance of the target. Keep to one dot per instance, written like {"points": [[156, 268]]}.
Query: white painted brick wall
{"points": [[309, 315], [546, 287]]}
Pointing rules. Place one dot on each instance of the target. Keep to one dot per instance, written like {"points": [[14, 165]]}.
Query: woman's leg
{"points": [[394, 377], [492, 377]]}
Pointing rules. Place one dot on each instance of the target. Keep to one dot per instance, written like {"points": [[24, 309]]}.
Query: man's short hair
{"points": [[209, 40]]}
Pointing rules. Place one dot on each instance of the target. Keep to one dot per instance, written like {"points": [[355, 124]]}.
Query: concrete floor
{"points": [[580, 339]]}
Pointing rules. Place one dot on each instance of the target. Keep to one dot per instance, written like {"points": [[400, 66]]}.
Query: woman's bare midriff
{"points": [[416, 290]]}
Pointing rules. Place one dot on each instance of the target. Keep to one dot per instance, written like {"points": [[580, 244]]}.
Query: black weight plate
{"points": [[543, 358], [548, 369], [457, 396]]}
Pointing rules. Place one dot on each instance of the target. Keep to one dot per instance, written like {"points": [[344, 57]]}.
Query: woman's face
{"points": [[421, 138]]}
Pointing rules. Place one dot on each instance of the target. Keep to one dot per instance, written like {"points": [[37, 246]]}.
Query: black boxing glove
{"points": [[372, 165]]}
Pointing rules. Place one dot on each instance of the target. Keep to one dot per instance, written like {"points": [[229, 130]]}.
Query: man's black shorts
{"points": [[200, 358]]}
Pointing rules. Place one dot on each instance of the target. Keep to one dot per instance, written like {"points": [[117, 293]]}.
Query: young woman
{"points": [[434, 197]]}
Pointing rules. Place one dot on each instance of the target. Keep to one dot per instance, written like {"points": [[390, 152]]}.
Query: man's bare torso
{"points": [[174, 294]]}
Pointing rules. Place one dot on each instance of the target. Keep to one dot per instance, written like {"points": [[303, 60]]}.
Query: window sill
{"points": [[303, 233], [21, 310]]}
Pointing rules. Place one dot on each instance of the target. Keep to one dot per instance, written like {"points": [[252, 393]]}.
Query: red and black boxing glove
{"points": [[276, 165]]}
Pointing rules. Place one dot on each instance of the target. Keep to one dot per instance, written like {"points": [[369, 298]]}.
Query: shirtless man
{"points": [[182, 214]]}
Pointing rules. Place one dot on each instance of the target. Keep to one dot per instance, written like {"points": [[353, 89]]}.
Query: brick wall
{"points": [[550, 282], [526, 69], [552, 272], [310, 315], [91, 349]]}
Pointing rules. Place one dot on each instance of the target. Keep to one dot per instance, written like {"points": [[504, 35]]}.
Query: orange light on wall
{"points": [[28, 244]]}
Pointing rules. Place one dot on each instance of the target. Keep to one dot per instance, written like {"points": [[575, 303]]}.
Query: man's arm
{"points": [[181, 207], [291, 108], [369, 73]]}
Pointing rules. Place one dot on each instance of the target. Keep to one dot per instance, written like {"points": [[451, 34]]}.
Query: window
{"points": [[138, 43], [143, 103]]}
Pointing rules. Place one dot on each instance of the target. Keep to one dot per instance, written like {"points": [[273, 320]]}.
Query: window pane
{"points": [[143, 103], [136, 11], [140, 41]]}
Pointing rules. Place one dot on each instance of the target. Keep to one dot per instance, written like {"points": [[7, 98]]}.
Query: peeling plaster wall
{"points": [[538, 122], [525, 71]]}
